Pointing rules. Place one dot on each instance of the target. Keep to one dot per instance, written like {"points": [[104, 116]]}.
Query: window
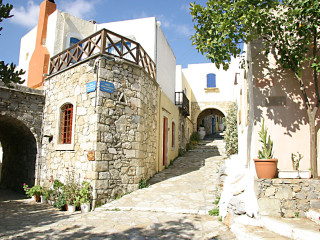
{"points": [[113, 51], [211, 80], [173, 135], [72, 42], [66, 124]]}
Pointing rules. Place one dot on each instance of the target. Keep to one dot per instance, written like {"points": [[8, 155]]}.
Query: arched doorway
{"points": [[19, 148], [212, 120]]}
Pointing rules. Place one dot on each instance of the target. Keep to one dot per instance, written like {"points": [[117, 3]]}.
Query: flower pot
{"points": [[37, 198], [43, 199], [266, 168], [202, 132], [85, 207], [70, 208]]}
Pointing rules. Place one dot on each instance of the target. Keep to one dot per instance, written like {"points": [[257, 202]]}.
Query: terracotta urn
{"points": [[266, 168]]}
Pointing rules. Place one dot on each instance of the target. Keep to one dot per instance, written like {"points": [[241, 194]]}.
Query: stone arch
{"points": [[20, 149], [211, 118]]}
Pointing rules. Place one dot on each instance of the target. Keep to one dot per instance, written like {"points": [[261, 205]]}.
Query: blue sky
{"points": [[176, 22]]}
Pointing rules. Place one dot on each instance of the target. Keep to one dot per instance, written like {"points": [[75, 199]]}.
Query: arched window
{"points": [[211, 80], [173, 135], [66, 124]]}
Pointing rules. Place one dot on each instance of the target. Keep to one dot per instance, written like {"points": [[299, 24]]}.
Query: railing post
{"points": [[138, 54], [103, 41]]}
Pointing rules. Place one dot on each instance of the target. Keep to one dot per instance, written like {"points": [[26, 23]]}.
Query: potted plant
{"points": [[296, 172], [266, 165], [71, 191], [85, 196], [34, 191]]}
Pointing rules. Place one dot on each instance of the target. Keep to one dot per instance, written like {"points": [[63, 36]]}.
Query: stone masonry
{"points": [[287, 197], [21, 110], [118, 128], [198, 107]]}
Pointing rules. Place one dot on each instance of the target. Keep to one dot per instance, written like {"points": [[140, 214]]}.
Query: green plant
{"points": [[214, 212], [296, 214], [231, 133], [85, 192], [35, 190], [71, 190], [266, 151], [143, 184], [181, 152], [296, 158], [217, 200], [195, 137], [48, 194], [220, 219], [60, 203]]}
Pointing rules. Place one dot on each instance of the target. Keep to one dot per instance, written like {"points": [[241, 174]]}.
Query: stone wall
{"points": [[127, 130], [21, 111], [119, 129], [287, 197], [198, 107]]}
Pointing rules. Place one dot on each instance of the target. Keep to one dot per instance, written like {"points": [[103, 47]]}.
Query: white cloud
{"points": [[185, 7], [26, 16], [79, 8], [181, 29]]}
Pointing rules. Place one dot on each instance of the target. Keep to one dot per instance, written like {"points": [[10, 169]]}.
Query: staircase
{"points": [[216, 147], [278, 228]]}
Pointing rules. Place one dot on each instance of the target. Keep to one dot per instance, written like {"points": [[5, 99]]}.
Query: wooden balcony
{"points": [[103, 42], [182, 102]]}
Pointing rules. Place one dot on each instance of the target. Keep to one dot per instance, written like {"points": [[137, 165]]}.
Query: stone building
{"points": [[116, 109]]}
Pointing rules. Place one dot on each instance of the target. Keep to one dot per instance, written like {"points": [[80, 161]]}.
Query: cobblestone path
{"points": [[174, 206]]}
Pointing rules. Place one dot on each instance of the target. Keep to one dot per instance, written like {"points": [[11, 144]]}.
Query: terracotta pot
{"points": [[37, 198], [266, 168]]}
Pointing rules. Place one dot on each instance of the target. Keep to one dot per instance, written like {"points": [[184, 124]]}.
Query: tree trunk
{"points": [[313, 143]]}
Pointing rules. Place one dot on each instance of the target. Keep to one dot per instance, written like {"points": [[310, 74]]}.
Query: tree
{"points": [[8, 73], [288, 27]]}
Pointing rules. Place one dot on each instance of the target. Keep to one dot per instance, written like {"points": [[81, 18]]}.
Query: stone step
{"points": [[314, 215], [245, 232], [292, 228]]}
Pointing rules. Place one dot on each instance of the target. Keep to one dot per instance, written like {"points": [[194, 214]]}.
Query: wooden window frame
{"points": [[65, 142]]}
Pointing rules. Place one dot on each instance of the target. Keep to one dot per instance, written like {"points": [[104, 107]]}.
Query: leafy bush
{"points": [[231, 133], [35, 190], [195, 137], [143, 184]]}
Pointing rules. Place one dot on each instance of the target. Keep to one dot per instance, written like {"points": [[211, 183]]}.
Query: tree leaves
{"points": [[8, 73]]}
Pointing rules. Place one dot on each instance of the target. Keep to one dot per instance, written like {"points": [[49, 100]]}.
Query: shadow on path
{"points": [[19, 216]]}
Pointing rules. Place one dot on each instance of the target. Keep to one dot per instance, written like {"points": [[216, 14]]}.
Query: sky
{"points": [[174, 15]]}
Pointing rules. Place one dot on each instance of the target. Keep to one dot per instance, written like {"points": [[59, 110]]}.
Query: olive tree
{"points": [[288, 27]]}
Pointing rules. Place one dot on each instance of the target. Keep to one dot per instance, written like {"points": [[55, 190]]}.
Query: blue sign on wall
{"points": [[107, 87], [91, 86]]}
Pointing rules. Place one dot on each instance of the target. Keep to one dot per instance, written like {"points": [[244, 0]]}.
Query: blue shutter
{"points": [[72, 42], [211, 80]]}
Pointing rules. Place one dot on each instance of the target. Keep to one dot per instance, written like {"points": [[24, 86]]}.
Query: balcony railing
{"points": [[107, 43], [182, 102]]}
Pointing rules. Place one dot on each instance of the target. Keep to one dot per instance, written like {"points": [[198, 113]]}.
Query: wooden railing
{"points": [[182, 101], [107, 43]]}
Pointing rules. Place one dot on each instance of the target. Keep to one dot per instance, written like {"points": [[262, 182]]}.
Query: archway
{"points": [[19, 148], [212, 120]]}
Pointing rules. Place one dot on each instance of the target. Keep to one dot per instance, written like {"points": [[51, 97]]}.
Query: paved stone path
{"points": [[175, 206]]}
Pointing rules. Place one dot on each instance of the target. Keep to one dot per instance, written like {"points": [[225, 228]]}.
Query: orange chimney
{"points": [[39, 62]]}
